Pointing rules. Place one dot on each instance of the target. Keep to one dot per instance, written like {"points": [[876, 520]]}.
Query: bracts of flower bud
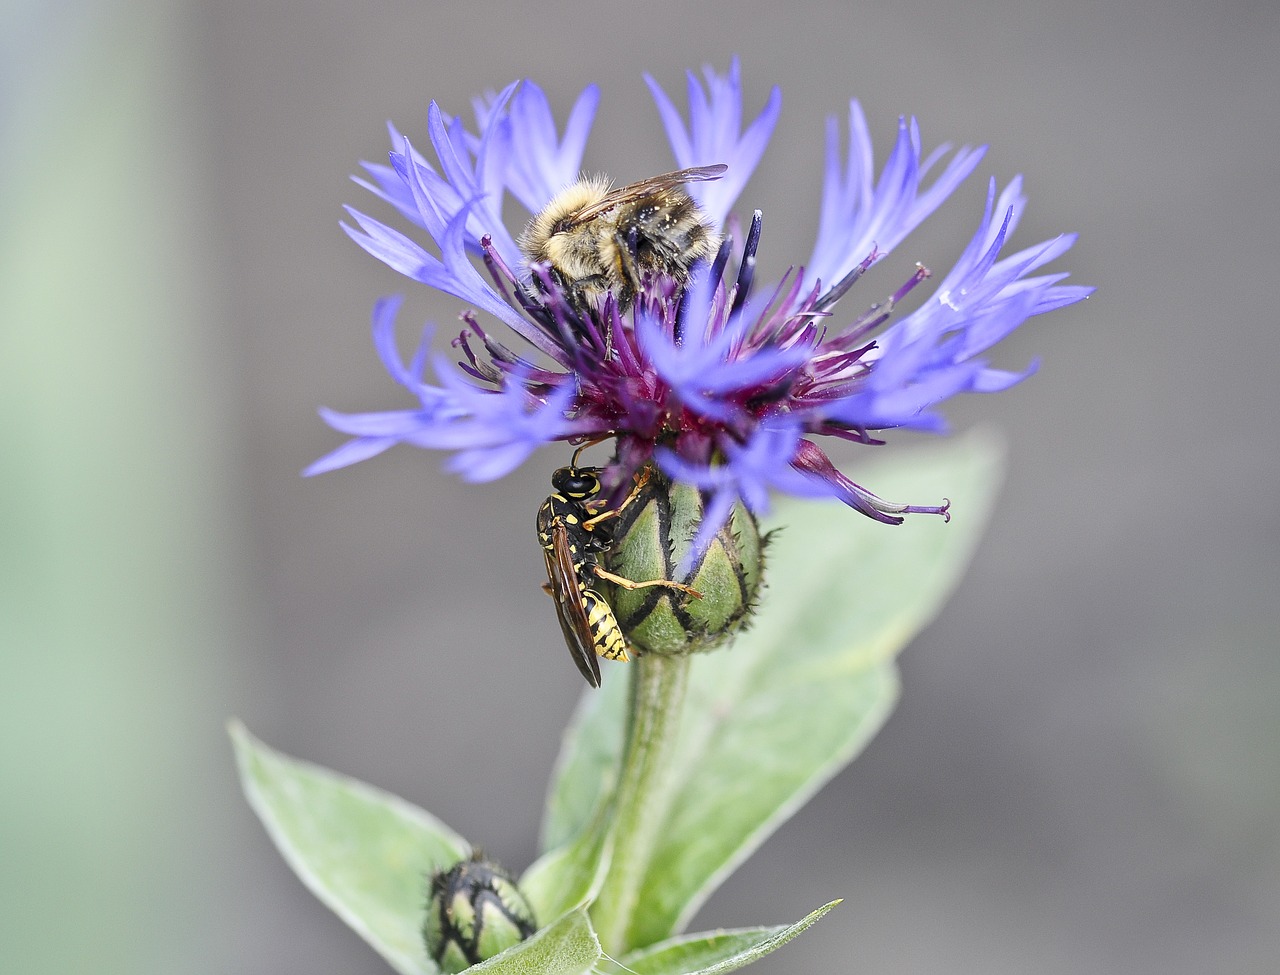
{"points": [[654, 538], [474, 911]]}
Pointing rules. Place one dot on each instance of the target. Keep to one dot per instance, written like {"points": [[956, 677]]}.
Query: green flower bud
{"points": [[654, 533], [474, 911]]}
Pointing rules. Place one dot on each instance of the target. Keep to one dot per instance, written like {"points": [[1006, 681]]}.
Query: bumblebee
{"points": [[597, 239], [573, 537]]}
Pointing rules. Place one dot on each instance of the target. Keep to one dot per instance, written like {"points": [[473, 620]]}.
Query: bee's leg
{"points": [[580, 296], [628, 584], [627, 245]]}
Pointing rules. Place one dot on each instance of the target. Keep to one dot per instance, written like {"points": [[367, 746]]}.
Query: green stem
{"points": [[644, 791]]}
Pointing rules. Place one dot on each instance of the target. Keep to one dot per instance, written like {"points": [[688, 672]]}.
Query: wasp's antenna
{"points": [[585, 444]]}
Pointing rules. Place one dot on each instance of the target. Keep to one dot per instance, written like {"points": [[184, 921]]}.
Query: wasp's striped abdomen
{"points": [[606, 635]]}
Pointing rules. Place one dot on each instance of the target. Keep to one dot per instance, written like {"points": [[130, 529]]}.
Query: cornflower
{"points": [[721, 383]]}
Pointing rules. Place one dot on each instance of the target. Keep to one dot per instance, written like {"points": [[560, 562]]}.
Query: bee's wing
{"points": [[569, 610], [654, 184]]}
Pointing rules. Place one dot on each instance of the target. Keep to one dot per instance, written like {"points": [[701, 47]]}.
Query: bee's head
{"points": [[578, 483]]}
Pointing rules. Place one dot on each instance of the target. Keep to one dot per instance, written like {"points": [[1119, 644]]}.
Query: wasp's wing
{"points": [[654, 184], [569, 609]]}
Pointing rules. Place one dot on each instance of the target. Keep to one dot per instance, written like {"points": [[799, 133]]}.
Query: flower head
{"points": [[474, 911], [720, 381]]}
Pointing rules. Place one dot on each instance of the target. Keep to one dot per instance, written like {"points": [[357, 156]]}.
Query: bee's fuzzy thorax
{"points": [[572, 199], [597, 239]]}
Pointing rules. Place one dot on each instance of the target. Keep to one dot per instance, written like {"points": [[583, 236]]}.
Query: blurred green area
{"points": [[114, 616]]}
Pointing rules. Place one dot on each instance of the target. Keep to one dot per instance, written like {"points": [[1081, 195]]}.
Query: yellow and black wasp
{"points": [[573, 537]]}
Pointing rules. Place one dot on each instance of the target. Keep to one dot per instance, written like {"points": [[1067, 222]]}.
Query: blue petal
{"points": [[856, 220], [540, 164], [933, 353], [745, 472], [392, 247], [706, 373], [351, 452], [394, 424], [715, 117], [467, 181]]}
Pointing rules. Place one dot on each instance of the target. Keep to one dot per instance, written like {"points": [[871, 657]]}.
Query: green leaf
{"points": [[570, 872], [567, 947], [715, 952], [588, 765], [770, 719], [756, 749], [570, 875], [363, 852]]}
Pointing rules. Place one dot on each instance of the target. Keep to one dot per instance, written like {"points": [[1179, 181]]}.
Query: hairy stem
{"points": [[644, 791]]}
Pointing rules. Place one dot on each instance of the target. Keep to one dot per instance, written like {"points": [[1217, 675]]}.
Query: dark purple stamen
{"points": [[747, 267], [841, 287]]}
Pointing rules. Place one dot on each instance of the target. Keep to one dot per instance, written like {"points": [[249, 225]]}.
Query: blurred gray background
{"points": [[1083, 773]]}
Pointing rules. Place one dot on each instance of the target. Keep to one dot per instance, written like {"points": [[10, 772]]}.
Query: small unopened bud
{"points": [[474, 911], [654, 535]]}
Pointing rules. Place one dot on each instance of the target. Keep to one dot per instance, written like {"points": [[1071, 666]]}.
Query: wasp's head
{"points": [[577, 483]]}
